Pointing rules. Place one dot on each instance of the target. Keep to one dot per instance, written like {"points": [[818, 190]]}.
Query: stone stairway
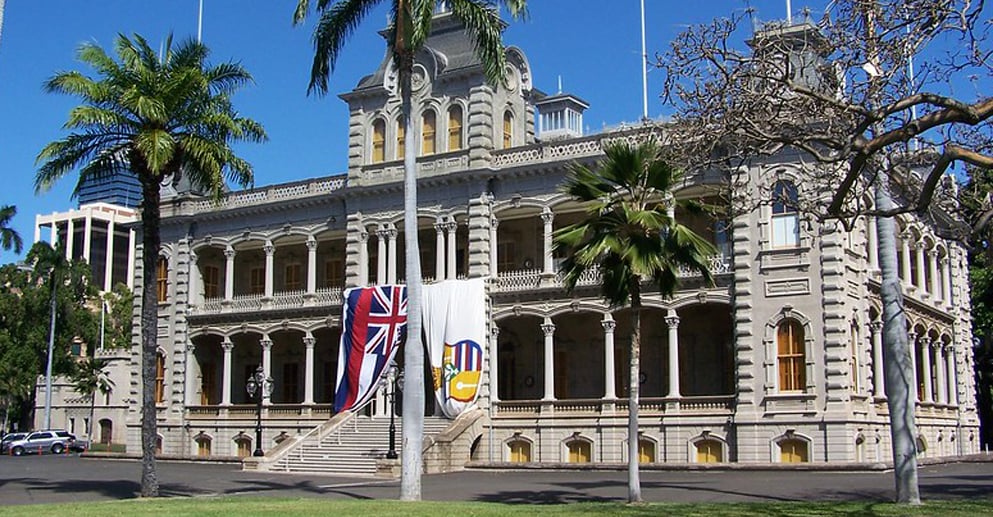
{"points": [[352, 449]]}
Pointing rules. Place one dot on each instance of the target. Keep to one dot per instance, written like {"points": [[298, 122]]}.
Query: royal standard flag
{"points": [[455, 326], [373, 328]]}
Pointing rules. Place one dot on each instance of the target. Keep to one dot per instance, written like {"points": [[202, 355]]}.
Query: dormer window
{"points": [[378, 141], [454, 128], [428, 122]]}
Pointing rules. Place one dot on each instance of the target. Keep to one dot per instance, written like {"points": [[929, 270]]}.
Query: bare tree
{"points": [[841, 97]]}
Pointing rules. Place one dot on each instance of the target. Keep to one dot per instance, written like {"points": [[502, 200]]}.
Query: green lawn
{"points": [[246, 507]]}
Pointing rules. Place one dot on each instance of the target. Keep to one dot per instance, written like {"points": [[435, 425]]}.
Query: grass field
{"points": [[247, 507]]}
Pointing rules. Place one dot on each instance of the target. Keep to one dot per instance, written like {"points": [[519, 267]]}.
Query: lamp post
{"points": [[259, 386], [51, 346], [397, 375]]}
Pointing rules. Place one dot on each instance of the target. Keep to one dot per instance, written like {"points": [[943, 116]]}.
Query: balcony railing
{"points": [[324, 297], [272, 411], [702, 405]]}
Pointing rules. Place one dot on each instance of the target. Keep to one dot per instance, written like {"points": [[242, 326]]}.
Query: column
{"points": [[131, 247], [546, 218], [878, 386], [391, 257], [381, 255], [494, 363], [494, 270], [950, 376], [189, 380], [308, 377], [227, 346], [195, 292], [108, 267], [229, 254], [672, 320], [311, 265], [919, 281], [946, 280], [270, 252], [905, 258], [941, 390], [548, 328], [363, 257], [37, 231], [70, 235], [53, 234], [873, 243], [926, 369], [609, 382], [439, 250], [932, 264], [450, 234], [912, 346], [87, 234], [266, 344]]}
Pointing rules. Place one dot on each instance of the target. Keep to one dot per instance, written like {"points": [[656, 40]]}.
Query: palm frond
{"points": [[336, 24]]}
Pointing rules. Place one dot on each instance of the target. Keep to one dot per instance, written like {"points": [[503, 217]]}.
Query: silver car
{"points": [[8, 439], [55, 441]]}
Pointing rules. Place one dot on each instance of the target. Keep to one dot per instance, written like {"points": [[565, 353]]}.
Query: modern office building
{"points": [[120, 188]]}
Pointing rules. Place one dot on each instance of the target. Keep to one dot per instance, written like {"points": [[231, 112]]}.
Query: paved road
{"points": [[50, 479]]}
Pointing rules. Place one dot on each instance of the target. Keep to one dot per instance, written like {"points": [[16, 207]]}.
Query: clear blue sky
{"points": [[593, 45]]}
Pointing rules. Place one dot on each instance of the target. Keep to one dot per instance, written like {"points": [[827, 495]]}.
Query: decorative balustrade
{"points": [[569, 149], [702, 405], [317, 411], [245, 303], [325, 297], [522, 280], [315, 187], [287, 300]]}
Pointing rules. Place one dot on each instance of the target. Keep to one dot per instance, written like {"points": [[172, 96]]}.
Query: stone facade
{"points": [[778, 361]]}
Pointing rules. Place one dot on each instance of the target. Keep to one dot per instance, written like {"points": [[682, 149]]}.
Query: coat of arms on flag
{"points": [[374, 325], [455, 326]]}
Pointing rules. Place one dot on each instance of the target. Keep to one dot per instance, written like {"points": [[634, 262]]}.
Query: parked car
{"points": [[8, 439], [55, 441]]}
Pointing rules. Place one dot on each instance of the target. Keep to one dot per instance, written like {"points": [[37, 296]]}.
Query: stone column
{"points": [[912, 345], [227, 346], [108, 266], [266, 344], [195, 289], [381, 255], [672, 321], [926, 369], [919, 281], [363, 257], [451, 234], [932, 264], [547, 216], [941, 390], [873, 243], [946, 280], [311, 265], [609, 382], [53, 234], [87, 234], [70, 235], [878, 386], [131, 258], [905, 258], [494, 363], [951, 375], [548, 328], [270, 256], [439, 250], [494, 270], [308, 376], [189, 380], [391, 254], [229, 254]]}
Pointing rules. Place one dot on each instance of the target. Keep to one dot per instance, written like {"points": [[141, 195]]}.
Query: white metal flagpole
{"points": [[789, 12], [200, 23], [644, 67]]}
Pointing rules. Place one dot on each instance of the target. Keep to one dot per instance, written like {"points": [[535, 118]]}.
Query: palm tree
{"points": [[89, 378], [9, 239], [410, 25], [156, 115], [630, 237]]}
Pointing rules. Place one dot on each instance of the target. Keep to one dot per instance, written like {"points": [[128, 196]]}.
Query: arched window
{"points": [[785, 219], [791, 360], [244, 444], [211, 281], [159, 378], [454, 128], [162, 279], [378, 141], [428, 123], [508, 129], [106, 431], [646, 451], [709, 451], [793, 450], [854, 351], [520, 451], [203, 445], [580, 451], [401, 136], [158, 445]]}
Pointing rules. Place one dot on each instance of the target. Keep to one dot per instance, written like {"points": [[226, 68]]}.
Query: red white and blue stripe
{"points": [[374, 327]]}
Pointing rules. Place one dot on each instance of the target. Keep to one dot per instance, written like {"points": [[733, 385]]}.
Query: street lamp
{"points": [[51, 345], [259, 386], [397, 376]]}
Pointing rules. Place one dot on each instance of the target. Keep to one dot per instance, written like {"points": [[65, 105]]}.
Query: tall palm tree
{"points": [[156, 115], [9, 239], [630, 237], [410, 25], [89, 378]]}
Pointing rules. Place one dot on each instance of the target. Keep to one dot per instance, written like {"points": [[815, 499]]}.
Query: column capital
{"points": [[311, 243], [547, 216], [494, 222], [949, 347], [672, 321], [548, 328], [269, 248], [919, 245], [363, 235], [495, 331], [912, 337], [309, 341], [943, 260], [193, 257], [392, 232], [451, 226], [608, 325], [229, 253], [227, 345], [266, 344], [875, 326], [439, 226]]}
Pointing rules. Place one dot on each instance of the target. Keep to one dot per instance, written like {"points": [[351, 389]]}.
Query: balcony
{"points": [[286, 300], [715, 405]]}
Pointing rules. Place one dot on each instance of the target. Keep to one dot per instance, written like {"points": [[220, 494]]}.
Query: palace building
{"points": [[779, 360]]}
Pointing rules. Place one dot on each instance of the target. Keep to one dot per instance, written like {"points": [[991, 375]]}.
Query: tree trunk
{"points": [[899, 372], [149, 330], [89, 428], [634, 387], [413, 351]]}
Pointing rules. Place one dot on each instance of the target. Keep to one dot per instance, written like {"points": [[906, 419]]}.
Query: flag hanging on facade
{"points": [[455, 326], [374, 325]]}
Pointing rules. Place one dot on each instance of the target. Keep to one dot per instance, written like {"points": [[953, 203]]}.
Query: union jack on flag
{"points": [[373, 328]]}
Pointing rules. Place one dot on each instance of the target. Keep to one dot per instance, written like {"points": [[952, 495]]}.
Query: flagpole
{"points": [[789, 13], [200, 23], [644, 67]]}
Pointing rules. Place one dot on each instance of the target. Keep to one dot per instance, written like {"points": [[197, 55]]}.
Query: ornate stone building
{"points": [[778, 361]]}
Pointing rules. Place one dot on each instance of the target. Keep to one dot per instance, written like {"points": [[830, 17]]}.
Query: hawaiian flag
{"points": [[455, 326], [374, 327]]}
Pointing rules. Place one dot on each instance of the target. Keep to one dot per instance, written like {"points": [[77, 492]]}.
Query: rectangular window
{"points": [[159, 379], [785, 231], [256, 284], [378, 141], [292, 279], [455, 128], [401, 138], [334, 273], [428, 133], [507, 256], [211, 281], [203, 447], [291, 383], [792, 365], [162, 279], [208, 382]]}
